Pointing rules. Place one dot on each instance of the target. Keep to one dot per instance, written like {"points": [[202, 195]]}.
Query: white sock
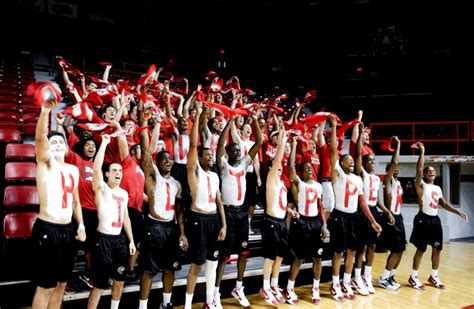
{"points": [[434, 272], [414, 273], [216, 291], [368, 271], [347, 278], [274, 282], [166, 298], [114, 304], [357, 272], [188, 301], [143, 304], [385, 274], [266, 284], [315, 283], [238, 284], [211, 267], [290, 285], [392, 273], [335, 279]]}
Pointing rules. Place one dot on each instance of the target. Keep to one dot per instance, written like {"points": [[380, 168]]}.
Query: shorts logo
{"points": [[320, 251], [216, 254], [121, 270], [245, 244], [176, 264], [437, 244]]}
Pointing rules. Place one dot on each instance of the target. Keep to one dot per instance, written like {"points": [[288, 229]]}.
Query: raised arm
{"points": [[258, 136], [146, 162], [41, 134], [97, 177], [321, 141], [333, 147], [222, 139], [392, 166], [355, 129], [193, 140], [419, 169], [291, 163], [358, 152], [276, 165]]}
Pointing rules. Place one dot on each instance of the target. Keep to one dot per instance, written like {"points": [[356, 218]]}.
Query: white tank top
{"points": [[279, 203], [208, 185], [234, 183], [181, 149], [59, 200], [430, 200], [371, 188], [308, 195], [347, 189], [397, 193], [166, 191], [111, 210], [244, 150]]}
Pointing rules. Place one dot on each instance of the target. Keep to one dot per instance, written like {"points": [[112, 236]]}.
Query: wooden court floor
{"points": [[456, 271]]}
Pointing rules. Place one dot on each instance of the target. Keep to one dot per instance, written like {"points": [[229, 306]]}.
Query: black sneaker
{"points": [[131, 276], [87, 280]]}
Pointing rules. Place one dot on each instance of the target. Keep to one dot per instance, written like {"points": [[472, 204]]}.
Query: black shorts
{"points": [[274, 238], [55, 250], [305, 237], [202, 231], [344, 231], [159, 246], [180, 173], [427, 230], [136, 219], [110, 259], [251, 193], [237, 236], [393, 236], [368, 235], [91, 222]]}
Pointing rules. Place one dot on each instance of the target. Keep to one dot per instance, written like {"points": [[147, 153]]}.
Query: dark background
{"points": [[273, 46]]}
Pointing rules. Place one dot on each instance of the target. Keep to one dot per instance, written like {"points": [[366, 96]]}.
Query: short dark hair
{"points": [[79, 146], [55, 133], [201, 151], [159, 156], [230, 146], [134, 148], [341, 158]]}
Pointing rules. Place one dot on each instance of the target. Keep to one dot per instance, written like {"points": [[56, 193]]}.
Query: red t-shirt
{"points": [[86, 170], [312, 158], [133, 181], [325, 161], [365, 149]]}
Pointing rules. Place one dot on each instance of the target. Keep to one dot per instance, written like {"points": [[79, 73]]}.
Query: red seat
{"points": [[20, 172], [20, 152], [30, 118], [15, 196], [10, 136], [18, 224], [9, 116]]}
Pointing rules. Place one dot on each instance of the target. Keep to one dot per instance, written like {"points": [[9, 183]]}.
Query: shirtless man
{"points": [[203, 225], [274, 230], [53, 231], [111, 252], [233, 174], [159, 247]]}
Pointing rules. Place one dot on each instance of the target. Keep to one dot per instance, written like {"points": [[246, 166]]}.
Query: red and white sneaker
{"points": [[291, 296], [269, 297], [240, 296], [347, 290], [277, 293], [368, 283], [415, 282], [359, 285], [436, 282], [337, 292], [315, 296]]}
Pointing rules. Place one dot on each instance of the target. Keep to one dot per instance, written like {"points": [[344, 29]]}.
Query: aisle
{"points": [[457, 272]]}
